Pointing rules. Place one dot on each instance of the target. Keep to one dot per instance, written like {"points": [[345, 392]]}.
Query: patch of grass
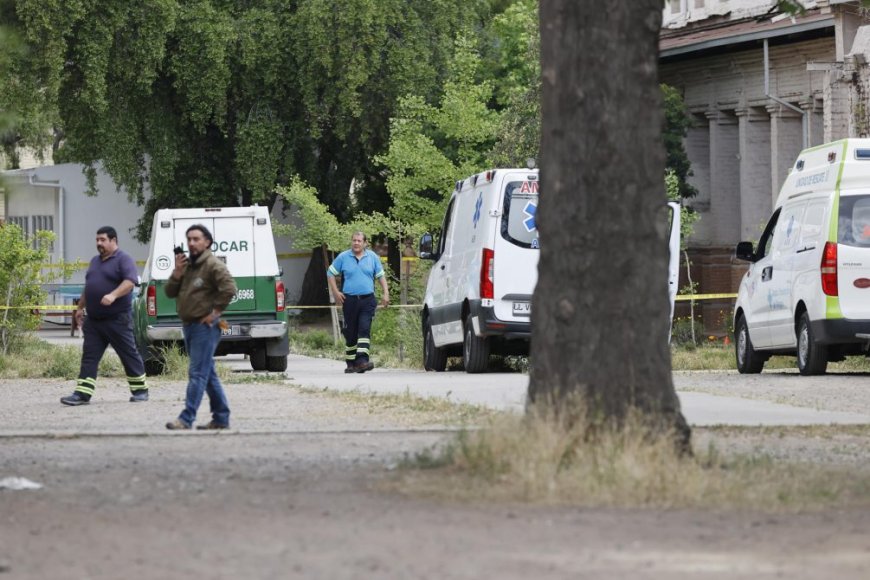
{"points": [[437, 409], [32, 357], [715, 356], [316, 343], [538, 460]]}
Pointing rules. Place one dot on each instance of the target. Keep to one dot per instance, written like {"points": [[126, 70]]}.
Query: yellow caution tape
{"points": [[681, 297], [705, 296], [41, 307]]}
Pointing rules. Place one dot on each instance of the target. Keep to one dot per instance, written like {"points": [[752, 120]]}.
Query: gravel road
{"points": [[295, 490]]}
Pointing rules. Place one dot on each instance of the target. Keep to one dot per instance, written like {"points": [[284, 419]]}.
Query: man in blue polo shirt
{"points": [[358, 268], [109, 281]]}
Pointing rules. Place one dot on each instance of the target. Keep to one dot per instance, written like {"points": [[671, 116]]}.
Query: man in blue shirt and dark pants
{"points": [[107, 296], [358, 268]]}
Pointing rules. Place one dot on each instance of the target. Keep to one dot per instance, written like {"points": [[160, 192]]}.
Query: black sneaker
{"points": [[363, 367], [76, 399], [139, 396]]}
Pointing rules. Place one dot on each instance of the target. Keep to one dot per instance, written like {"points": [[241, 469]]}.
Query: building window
{"points": [[675, 6], [20, 221], [43, 223], [699, 3]]}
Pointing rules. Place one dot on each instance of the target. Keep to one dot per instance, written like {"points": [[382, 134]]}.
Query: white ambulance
{"points": [[807, 291], [256, 317], [479, 293]]}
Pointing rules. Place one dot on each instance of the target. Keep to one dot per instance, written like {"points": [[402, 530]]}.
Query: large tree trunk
{"points": [[600, 313]]}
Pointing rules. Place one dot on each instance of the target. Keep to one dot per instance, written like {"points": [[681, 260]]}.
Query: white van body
{"points": [[807, 290], [479, 293]]}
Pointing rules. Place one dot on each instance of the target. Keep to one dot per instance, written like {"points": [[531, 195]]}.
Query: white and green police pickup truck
{"points": [[256, 316]]}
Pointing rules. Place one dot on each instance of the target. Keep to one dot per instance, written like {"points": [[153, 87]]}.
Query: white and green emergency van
{"points": [[807, 290], [256, 316]]}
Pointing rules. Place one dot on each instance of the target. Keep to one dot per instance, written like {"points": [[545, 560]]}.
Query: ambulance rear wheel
{"points": [[258, 359], [812, 356], [475, 349], [434, 358]]}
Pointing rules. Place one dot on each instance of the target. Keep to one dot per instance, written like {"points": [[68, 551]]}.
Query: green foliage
{"points": [[688, 217], [431, 147], [21, 280], [316, 225], [677, 123], [216, 103]]}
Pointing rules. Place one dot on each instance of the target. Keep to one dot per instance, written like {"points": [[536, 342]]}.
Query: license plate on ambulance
{"points": [[522, 308]]}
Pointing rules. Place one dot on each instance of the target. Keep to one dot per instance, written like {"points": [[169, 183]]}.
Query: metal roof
{"points": [[683, 41]]}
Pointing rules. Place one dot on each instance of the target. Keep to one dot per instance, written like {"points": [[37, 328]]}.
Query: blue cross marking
{"points": [[477, 207], [530, 210]]}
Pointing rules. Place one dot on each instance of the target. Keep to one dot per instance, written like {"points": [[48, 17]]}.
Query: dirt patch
{"points": [[295, 491]]}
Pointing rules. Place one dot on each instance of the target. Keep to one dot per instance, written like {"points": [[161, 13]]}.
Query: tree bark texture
{"points": [[600, 310]]}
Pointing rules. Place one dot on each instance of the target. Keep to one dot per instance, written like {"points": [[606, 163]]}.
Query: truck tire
{"points": [[276, 364], [748, 360], [434, 358], [475, 349], [258, 359], [154, 367], [812, 357]]}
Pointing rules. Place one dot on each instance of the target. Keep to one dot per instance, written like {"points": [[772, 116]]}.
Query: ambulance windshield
{"points": [[518, 224]]}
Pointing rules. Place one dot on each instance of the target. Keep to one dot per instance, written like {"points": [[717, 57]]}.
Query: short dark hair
{"points": [[109, 231], [204, 231]]}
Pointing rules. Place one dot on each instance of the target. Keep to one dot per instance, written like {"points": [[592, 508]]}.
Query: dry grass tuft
{"points": [[537, 460]]}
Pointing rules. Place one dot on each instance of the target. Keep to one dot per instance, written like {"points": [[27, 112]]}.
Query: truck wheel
{"points": [[475, 349], [434, 358], [276, 364], [258, 359], [748, 360], [812, 356], [154, 367]]}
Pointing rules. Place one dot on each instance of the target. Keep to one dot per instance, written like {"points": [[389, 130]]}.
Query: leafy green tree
{"points": [[433, 146], [214, 102], [677, 123], [22, 275]]}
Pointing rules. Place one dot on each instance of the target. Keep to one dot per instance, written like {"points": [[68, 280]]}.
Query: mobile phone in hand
{"points": [[178, 250]]}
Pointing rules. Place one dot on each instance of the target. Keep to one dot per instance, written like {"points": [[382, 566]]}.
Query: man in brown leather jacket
{"points": [[203, 288]]}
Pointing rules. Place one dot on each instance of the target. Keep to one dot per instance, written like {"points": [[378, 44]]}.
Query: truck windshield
{"points": [[518, 224], [854, 221]]}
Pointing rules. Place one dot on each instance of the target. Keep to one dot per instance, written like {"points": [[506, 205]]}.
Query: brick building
{"points": [[761, 85]]}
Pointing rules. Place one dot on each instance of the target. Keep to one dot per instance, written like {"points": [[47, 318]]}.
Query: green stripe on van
{"points": [[835, 207], [832, 307]]}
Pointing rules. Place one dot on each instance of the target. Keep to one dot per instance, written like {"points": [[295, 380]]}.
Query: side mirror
{"points": [[745, 252], [280, 271], [426, 243]]}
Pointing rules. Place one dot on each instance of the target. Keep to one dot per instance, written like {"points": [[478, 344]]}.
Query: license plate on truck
{"points": [[522, 308], [231, 331]]}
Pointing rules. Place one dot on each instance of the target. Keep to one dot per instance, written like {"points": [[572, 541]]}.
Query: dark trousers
{"points": [[98, 335], [358, 314]]}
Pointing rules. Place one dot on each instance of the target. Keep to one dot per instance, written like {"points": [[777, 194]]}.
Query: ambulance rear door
{"points": [[516, 247]]}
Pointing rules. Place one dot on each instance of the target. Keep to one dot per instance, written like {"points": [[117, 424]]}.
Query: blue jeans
{"points": [[201, 340]]}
